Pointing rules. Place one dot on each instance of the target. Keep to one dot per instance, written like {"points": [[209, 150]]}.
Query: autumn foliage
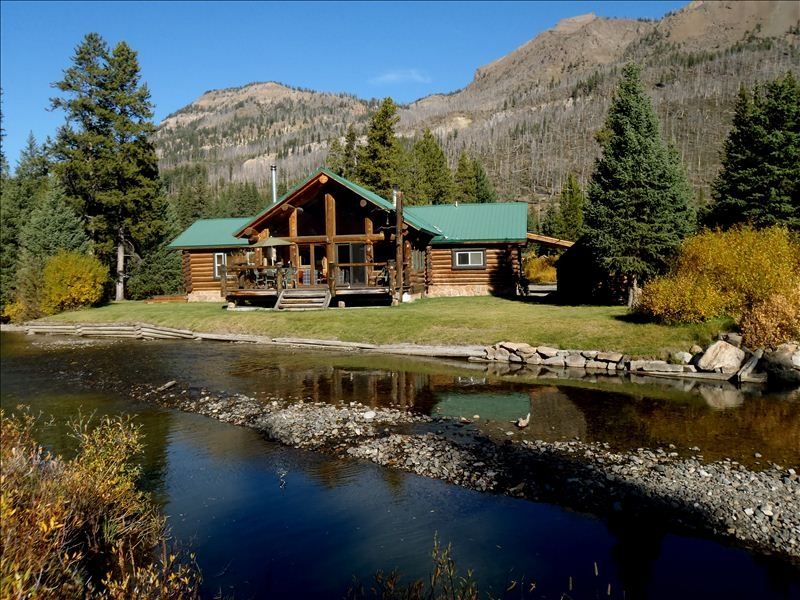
{"points": [[749, 275], [71, 281], [82, 528]]}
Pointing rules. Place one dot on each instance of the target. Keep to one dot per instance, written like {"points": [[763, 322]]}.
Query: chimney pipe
{"points": [[394, 195], [274, 172]]}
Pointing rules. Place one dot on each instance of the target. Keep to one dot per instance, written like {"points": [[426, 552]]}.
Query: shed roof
{"points": [[490, 222], [212, 233]]}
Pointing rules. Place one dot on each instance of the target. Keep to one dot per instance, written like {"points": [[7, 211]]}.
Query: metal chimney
{"points": [[394, 195], [274, 172]]}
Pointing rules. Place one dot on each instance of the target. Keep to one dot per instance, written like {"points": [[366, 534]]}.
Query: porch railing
{"points": [[339, 275]]}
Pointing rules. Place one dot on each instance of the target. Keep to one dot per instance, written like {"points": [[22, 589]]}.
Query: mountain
{"points": [[531, 115]]}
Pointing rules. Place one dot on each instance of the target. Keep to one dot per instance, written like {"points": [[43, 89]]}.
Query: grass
{"points": [[483, 320]]}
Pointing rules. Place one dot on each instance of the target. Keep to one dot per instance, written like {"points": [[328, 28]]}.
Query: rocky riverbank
{"points": [[757, 509]]}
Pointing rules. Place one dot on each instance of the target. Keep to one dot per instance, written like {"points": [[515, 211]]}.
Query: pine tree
{"points": [[20, 194], [638, 210], [51, 226], [335, 159], [464, 182], [158, 270], [350, 154], [105, 159], [759, 181], [191, 202], [484, 190], [565, 220], [378, 159], [433, 184]]}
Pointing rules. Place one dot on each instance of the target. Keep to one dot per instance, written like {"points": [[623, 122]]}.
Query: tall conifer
{"points": [[638, 210], [759, 181], [377, 160], [105, 159], [434, 184]]}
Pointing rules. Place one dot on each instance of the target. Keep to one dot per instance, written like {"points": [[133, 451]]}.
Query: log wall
{"points": [[201, 284], [498, 277]]}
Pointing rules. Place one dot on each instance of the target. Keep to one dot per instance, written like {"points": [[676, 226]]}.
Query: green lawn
{"points": [[483, 320]]}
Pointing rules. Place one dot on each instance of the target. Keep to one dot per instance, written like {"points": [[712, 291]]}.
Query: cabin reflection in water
{"points": [[724, 421]]}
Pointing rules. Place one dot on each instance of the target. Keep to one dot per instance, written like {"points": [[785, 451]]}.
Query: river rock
{"points": [[613, 357], [532, 359], [516, 347], [554, 361], [575, 360], [721, 356], [596, 364], [501, 354], [784, 363], [682, 357], [658, 366], [547, 351]]}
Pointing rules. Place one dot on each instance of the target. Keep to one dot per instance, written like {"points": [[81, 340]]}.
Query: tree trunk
{"points": [[633, 292], [120, 288]]}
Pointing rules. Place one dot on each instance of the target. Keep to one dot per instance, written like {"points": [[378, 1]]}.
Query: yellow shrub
{"points": [[682, 299], [70, 281], [724, 273], [774, 321], [541, 269]]}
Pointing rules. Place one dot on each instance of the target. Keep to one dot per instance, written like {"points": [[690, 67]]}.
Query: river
{"points": [[270, 521]]}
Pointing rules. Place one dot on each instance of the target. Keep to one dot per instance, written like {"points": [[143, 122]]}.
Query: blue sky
{"points": [[372, 49]]}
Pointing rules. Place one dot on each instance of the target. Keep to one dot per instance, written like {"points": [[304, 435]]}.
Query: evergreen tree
{"points": [[158, 270], [19, 195], [484, 190], [51, 226], [565, 219], [106, 161], [349, 154], [335, 159], [378, 159], [191, 202], [433, 183], [759, 181], [464, 182], [638, 210]]}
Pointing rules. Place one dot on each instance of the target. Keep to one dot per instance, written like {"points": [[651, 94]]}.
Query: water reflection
{"points": [[267, 521]]}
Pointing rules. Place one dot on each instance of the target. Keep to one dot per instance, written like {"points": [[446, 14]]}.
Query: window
{"points": [[219, 264], [469, 259], [418, 260]]}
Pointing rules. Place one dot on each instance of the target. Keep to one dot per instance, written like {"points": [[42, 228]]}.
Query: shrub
{"points": [[541, 269], [725, 274], [81, 528], [70, 281], [773, 321], [682, 299]]}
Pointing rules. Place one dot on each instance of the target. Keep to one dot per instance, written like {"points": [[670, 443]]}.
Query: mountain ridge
{"points": [[529, 115]]}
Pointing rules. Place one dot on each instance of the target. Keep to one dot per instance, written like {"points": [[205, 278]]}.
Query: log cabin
{"points": [[329, 239]]}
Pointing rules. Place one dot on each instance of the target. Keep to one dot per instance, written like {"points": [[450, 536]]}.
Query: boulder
{"points": [[596, 364], [721, 357], [784, 363], [532, 359], [547, 351], [502, 354], [554, 361], [682, 357], [490, 353], [590, 354], [575, 360], [515, 347], [695, 349], [613, 357]]}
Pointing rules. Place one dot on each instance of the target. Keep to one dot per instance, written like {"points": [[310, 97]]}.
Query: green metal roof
{"points": [[413, 220], [491, 222], [212, 233]]}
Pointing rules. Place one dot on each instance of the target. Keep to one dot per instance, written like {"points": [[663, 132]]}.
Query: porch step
{"points": [[303, 300]]}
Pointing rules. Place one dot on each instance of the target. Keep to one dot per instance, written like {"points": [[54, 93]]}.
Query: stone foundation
{"points": [[447, 291], [205, 296]]}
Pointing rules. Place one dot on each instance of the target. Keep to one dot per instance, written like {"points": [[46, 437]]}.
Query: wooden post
{"points": [[294, 255], [330, 234], [399, 246]]}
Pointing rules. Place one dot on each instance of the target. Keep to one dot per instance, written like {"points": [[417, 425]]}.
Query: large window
{"points": [[469, 259], [219, 264]]}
